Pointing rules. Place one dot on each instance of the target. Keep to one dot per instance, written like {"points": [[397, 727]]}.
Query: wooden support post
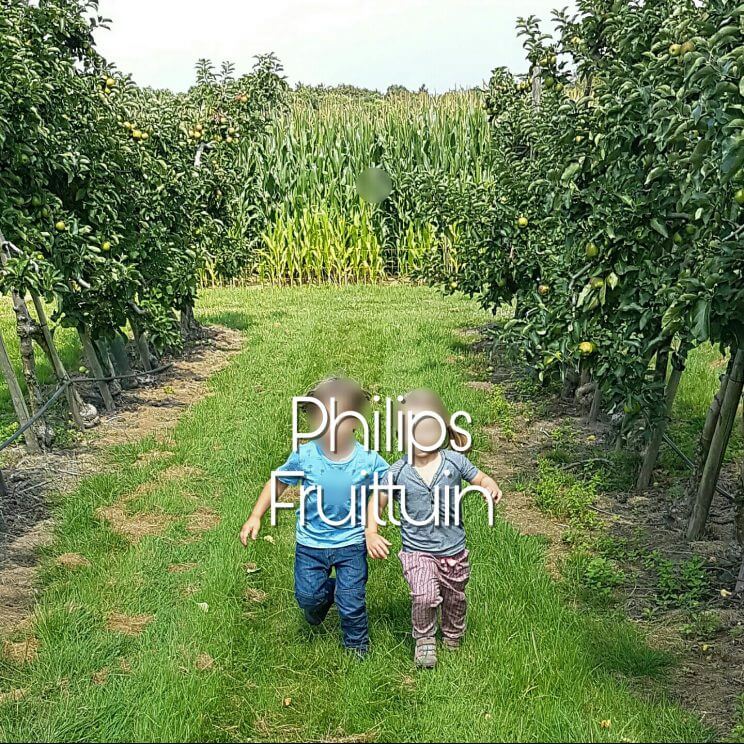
{"points": [[712, 467], [651, 454], [711, 421], [73, 401]]}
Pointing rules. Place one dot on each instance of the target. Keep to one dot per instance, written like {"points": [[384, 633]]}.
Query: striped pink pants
{"points": [[437, 586]]}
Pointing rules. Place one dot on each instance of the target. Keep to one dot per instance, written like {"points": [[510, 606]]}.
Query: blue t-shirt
{"points": [[336, 479]]}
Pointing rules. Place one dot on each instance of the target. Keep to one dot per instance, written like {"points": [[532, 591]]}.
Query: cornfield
{"points": [[314, 227]]}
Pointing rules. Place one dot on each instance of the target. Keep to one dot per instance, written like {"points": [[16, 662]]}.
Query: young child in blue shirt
{"points": [[327, 539]]}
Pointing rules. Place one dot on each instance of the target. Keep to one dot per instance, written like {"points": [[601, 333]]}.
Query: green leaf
{"points": [[656, 225], [655, 173], [701, 320], [570, 173], [583, 295]]}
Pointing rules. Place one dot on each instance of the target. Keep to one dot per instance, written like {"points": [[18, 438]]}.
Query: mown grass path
{"points": [[222, 653]]}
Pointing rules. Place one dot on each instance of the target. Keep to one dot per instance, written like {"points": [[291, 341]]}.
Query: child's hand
{"points": [[489, 484], [492, 487], [250, 529], [377, 545], [496, 494]]}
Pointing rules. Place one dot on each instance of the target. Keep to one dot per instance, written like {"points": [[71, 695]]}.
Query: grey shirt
{"points": [[420, 502]]}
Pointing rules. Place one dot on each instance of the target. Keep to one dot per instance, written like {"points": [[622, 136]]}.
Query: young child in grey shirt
{"points": [[434, 557]]}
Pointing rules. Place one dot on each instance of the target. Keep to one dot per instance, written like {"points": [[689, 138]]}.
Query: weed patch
{"points": [[563, 495]]}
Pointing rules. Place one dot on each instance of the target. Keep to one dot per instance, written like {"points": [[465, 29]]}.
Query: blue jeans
{"points": [[316, 591]]}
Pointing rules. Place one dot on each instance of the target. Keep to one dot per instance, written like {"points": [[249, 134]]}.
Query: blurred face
{"points": [[346, 427], [427, 432], [425, 426]]}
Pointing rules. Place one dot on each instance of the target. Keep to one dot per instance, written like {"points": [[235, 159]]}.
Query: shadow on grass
{"points": [[237, 320], [614, 645]]}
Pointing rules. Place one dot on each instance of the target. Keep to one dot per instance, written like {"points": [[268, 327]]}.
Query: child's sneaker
{"points": [[314, 616], [451, 644], [360, 652], [425, 656]]}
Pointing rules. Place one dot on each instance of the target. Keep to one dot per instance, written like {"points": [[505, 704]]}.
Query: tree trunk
{"points": [[190, 328], [143, 347], [740, 522], [3, 500], [16, 396], [26, 330], [596, 405], [740, 579], [652, 450], [718, 445], [709, 429], [536, 86], [619, 443], [118, 350], [104, 356], [570, 383], [94, 366], [74, 402]]}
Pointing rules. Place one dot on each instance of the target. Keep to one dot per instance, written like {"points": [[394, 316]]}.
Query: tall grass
{"points": [[314, 246], [316, 227]]}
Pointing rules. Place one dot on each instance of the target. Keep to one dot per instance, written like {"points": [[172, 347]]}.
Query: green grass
{"points": [[532, 667]]}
